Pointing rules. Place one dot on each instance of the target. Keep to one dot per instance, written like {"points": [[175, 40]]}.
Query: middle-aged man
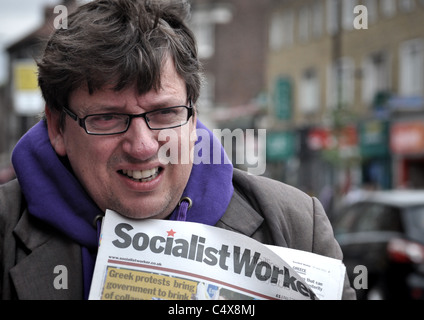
{"points": [[121, 85]]}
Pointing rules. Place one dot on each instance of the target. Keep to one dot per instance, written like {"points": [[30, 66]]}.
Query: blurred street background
{"points": [[337, 84]]}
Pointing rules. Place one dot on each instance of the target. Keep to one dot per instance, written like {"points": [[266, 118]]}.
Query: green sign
{"points": [[283, 98], [374, 139], [280, 146]]}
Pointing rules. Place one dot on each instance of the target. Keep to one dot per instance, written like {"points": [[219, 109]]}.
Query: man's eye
{"points": [[106, 121], [106, 117], [166, 112]]}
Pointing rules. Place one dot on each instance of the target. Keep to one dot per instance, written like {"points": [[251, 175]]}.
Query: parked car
{"points": [[384, 231]]}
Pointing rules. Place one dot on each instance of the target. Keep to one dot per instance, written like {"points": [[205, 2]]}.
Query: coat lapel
{"points": [[241, 217], [48, 266]]}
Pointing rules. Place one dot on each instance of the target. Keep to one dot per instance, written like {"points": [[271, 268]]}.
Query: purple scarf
{"points": [[55, 196]]}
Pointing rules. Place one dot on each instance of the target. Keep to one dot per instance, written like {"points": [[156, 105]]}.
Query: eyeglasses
{"points": [[105, 124]]}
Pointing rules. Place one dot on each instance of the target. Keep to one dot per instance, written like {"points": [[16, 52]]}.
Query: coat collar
{"points": [[48, 266], [244, 213], [241, 217]]}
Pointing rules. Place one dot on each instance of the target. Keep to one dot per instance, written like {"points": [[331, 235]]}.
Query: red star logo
{"points": [[171, 233]]}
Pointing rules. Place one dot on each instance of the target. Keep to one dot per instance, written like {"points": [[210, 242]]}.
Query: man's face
{"points": [[110, 167]]}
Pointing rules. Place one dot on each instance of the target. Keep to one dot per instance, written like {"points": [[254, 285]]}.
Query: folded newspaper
{"points": [[171, 260]]}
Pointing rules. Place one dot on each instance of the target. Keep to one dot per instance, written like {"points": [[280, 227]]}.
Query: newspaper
{"points": [[172, 260], [324, 275]]}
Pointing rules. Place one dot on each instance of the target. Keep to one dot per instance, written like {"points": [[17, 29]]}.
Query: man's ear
{"points": [[194, 133], [55, 131]]}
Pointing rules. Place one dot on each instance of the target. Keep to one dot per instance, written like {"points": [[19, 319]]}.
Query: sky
{"points": [[17, 19]]}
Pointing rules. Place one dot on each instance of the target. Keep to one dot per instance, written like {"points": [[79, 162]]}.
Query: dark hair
{"points": [[119, 43]]}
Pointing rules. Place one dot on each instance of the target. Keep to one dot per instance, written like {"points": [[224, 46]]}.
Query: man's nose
{"points": [[140, 141]]}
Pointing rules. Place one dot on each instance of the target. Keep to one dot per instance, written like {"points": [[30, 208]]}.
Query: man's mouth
{"points": [[141, 175]]}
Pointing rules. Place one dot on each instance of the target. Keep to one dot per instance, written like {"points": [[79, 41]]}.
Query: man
{"points": [[121, 85]]}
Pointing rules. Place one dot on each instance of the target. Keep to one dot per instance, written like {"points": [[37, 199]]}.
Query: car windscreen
{"points": [[414, 219]]}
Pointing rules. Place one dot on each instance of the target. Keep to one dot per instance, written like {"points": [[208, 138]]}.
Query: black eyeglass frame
{"points": [[81, 121]]}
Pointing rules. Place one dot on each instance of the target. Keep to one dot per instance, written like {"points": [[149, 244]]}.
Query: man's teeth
{"points": [[143, 175]]}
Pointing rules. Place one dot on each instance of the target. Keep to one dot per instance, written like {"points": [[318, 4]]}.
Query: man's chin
{"points": [[161, 212]]}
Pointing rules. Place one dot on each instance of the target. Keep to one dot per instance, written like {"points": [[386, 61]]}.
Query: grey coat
{"points": [[266, 210]]}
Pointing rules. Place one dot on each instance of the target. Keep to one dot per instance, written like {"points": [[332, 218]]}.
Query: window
{"points": [[372, 10], [317, 19], [346, 222], [407, 5], [309, 94], [348, 17], [379, 217], [340, 89], [390, 220], [388, 7], [412, 68], [276, 30], [304, 24], [311, 20], [414, 222], [281, 30], [376, 76], [333, 16], [203, 25], [204, 30]]}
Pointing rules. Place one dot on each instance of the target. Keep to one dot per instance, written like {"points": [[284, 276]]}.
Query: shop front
{"points": [[407, 146], [376, 162]]}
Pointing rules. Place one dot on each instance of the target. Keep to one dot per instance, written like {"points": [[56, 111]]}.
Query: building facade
{"points": [[338, 85], [232, 40], [21, 103], [346, 81], [232, 43]]}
